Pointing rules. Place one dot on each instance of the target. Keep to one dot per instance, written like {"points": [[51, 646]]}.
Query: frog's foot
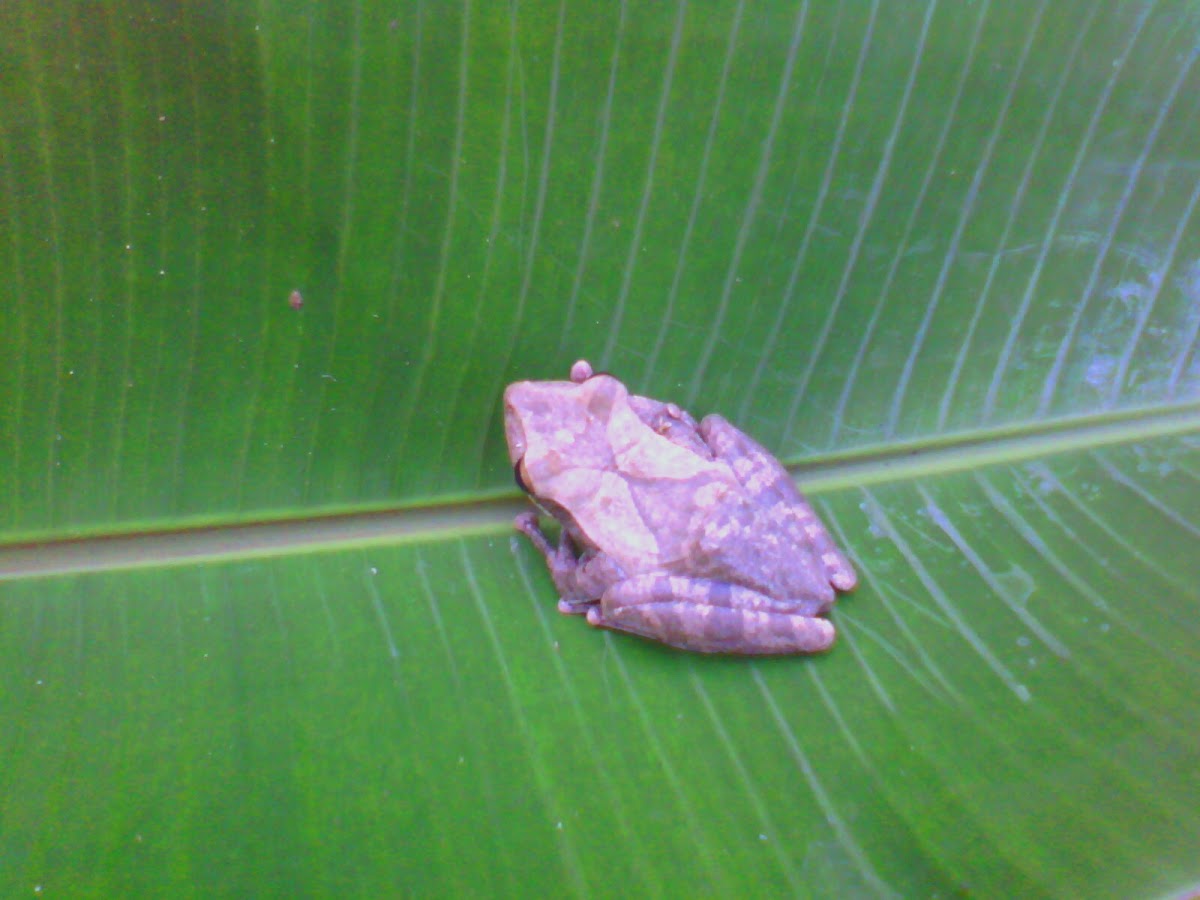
{"points": [[841, 574], [837, 566], [838, 570], [576, 607]]}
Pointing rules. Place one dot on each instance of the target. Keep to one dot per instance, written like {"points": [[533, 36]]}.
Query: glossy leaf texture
{"points": [[1015, 682], [273, 262], [841, 226]]}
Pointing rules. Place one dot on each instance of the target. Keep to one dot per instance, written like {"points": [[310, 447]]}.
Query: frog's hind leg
{"points": [[838, 569], [709, 617], [760, 473], [764, 477]]}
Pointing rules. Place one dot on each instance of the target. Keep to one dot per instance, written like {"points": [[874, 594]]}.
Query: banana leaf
{"points": [[265, 269]]}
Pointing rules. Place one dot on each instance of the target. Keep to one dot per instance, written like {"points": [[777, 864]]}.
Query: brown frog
{"points": [[689, 534]]}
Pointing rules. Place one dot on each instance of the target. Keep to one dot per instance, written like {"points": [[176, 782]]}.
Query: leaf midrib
{"points": [[52, 555]]}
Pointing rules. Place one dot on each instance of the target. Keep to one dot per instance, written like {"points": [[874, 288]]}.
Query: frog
{"points": [[686, 533]]}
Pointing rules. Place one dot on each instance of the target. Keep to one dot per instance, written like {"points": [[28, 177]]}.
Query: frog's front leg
{"points": [[580, 580], [709, 617]]}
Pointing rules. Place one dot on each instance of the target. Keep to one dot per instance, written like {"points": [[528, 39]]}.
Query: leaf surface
{"points": [[263, 626]]}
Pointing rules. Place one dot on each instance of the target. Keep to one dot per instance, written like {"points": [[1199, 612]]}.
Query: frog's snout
{"points": [[514, 429]]}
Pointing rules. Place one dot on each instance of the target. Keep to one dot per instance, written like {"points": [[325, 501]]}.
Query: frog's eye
{"points": [[519, 475]]}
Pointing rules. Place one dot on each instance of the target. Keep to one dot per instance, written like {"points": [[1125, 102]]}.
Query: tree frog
{"points": [[682, 532]]}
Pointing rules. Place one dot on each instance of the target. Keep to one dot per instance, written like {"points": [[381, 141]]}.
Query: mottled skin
{"points": [[692, 535]]}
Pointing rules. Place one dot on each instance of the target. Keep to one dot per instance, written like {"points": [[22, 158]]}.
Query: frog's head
{"points": [[554, 425]]}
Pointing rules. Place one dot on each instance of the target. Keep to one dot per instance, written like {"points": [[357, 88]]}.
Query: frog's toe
{"points": [[841, 575], [526, 522], [576, 607]]}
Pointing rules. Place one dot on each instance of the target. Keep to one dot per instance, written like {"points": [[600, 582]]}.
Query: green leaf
{"points": [[264, 628]]}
